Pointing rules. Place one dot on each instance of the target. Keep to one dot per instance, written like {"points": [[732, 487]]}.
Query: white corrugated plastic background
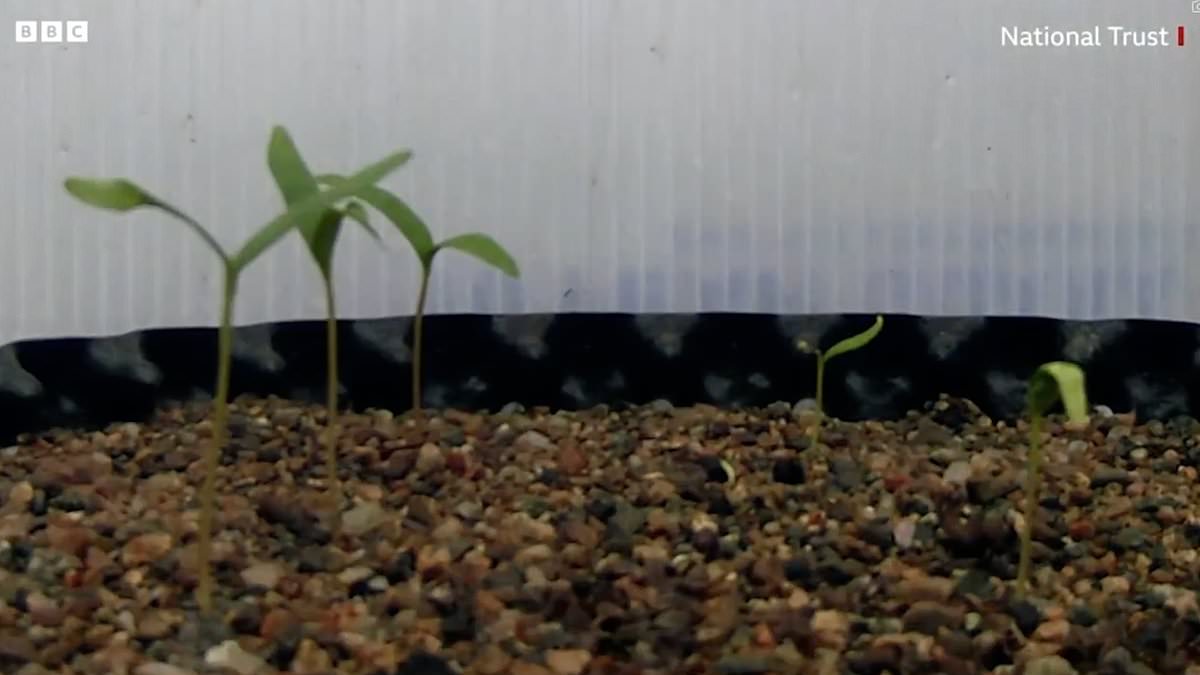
{"points": [[782, 156]]}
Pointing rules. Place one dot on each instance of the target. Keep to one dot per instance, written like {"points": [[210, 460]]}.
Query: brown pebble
{"points": [[146, 548], [571, 460], [936, 589], [44, 611], [831, 629], [1081, 530], [275, 622], [567, 661], [70, 539], [491, 660], [527, 668], [1055, 631]]}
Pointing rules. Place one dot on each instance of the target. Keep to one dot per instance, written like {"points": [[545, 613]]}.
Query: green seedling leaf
{"points": [[294, 180], [1054, 381], [856, 341], [486, 249], [326, 233], [358, 213], [120, 194], [315, 204], [324, 237], [395, 210], [117, 194]]}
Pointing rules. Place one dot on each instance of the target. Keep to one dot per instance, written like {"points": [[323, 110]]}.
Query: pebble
{"points": [[147, 548], [16, 649], [1115, 585], [1129, 538], [958, 473], [789, 472], [230, 655], [1026, 615], [831, 629], [847, 473], [934, 589], [929, 617], [1050, 665], [744, 665], [430, 459], [535, 441], [363, 519], [1055, 631], [1107, 475], [264, 575], [160, 668], [567, 661], [571, 460], [904, 533]]}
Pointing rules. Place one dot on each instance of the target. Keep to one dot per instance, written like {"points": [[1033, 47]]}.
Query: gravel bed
{"points": [[653, 540]]}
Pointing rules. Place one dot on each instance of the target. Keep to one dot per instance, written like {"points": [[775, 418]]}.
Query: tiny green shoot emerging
{"points": [[417, 233], [1052, 382], [320, 233], [850, 344], [123, 195]]}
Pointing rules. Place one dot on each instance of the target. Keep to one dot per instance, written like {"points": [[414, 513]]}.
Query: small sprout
{"points": [[124, 195], [850, 344], [1052, 382], [730, 474], [320, 232], [417, 233]]}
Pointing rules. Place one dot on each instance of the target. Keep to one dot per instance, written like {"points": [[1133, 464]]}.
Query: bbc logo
{"points": [[52, 31]]}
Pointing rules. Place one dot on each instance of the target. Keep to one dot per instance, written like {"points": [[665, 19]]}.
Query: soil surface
{"points": [[651, 540]]}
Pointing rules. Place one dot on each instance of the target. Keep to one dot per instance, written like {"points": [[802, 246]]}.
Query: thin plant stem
{"points": [[816, 432], [821, 383], [220, 423], [418, 321], [331, 391], [1032, 488]]}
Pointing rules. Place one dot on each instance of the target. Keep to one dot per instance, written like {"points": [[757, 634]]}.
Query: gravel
{"points": [[660, 539]]}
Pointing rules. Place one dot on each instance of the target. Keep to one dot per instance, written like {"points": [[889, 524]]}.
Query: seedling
{"points": [[123, 195], [320, 233], [850, 344], [1054, 381], [417, 233]]}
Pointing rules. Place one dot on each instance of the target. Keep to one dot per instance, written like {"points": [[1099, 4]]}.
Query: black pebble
{"points": [[1082, 615], [285, 647], [713, 471], [718, 430], [423, 663], [400, 568], [788, 472], [719, 505], [247, 619], [551, 478], [602, 507], [1026, 615]]}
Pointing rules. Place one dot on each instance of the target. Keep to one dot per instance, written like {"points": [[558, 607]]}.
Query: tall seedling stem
{"points": [[1052, 382], [418, 338], [417, 233], [123, 195], [320, 233]]}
